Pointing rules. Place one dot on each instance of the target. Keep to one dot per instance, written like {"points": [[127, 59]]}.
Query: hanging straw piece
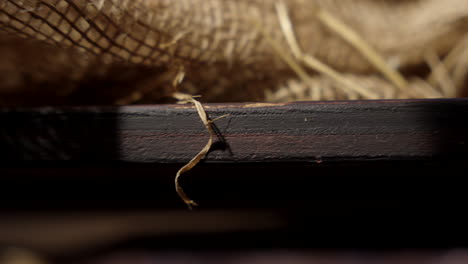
{"points": [[185, 98]]}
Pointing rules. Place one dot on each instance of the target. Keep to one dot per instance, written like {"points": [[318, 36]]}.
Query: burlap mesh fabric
{"points": [[109, 50], [145, 32]]}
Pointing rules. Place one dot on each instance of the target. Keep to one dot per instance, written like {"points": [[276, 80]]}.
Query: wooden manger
{"points": [[338, 120]]}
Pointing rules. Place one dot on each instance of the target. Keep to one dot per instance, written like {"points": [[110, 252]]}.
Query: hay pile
{"points": [[129, 51]]}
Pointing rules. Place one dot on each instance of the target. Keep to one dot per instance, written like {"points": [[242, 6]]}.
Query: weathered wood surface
{"points": [[302, 132], [398, 181]]}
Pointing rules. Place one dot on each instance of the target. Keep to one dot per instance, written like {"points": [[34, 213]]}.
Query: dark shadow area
{"points": [[337, 206], [49, 134], [217, 186]]}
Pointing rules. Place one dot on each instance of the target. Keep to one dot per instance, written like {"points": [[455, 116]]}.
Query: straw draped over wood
{"points": [[134, 51], [225, 56]]}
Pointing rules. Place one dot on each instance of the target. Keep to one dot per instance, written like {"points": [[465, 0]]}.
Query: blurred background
{"points": [[248, 214]]}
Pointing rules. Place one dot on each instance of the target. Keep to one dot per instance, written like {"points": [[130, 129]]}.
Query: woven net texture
{"points": [[129, 51]]}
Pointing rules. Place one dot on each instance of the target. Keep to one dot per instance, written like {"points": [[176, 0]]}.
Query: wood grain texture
{"points": [[296, 132], [333, 171]]}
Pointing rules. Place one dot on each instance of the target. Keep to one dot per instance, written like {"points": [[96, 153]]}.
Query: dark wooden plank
{"points": [[295, 132], [334, 172]]}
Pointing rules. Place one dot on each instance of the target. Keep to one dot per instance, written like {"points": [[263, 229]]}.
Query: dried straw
{"points": [[221, 36]]}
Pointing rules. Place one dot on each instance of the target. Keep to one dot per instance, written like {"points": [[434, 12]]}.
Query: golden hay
{"points": [[122, 51]]}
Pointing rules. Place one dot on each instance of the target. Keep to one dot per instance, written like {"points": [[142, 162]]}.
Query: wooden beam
{"points": [[294, 132], [379, 170]]}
